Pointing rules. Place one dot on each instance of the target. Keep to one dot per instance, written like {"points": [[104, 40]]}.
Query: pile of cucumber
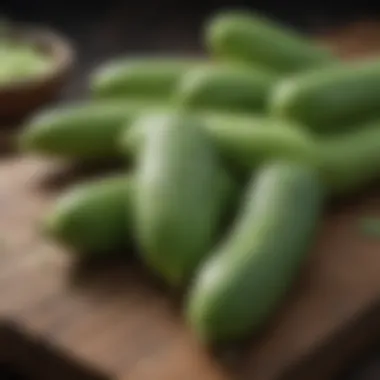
{"points": [[233, 158]]}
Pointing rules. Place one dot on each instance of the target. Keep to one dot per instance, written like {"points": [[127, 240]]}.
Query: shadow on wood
{"points": [[26, 357]]}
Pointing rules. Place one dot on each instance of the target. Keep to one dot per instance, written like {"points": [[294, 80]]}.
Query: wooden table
{"points": [[61, 320]]}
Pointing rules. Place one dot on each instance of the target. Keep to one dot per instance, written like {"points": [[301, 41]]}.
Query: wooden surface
{"points": [[61, 320]]}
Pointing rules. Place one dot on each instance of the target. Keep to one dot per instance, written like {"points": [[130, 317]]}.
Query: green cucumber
{"points": [[182, 195], [351, 161], [331, 99], [140, 77], [81, 130], [225, 88], [94, 217], [243, 282], [242, 36], [247, 142]]}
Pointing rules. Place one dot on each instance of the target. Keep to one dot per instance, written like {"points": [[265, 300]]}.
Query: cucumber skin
{"points": [[242, 36], [332, 99], [246, 278], [182, 194], [248, 142], [85, 130], [225, 88], [94, 218], [153, 78], [351, 160]]}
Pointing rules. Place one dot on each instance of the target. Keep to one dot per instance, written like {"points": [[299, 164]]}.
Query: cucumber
{"points": [[242, 36], [225, 88], [352, 160], [140, 77], [247, 142], [94, 218], [244, 141], [245, 279], [332, 99], [81, 130], [182, 193]]}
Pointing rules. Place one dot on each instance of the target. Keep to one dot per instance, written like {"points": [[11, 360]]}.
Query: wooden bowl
{"points": [[18, 99]]}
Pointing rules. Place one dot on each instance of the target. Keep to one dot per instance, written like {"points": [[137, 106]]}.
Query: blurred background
{"points": [[112, 27], [104, 29]]}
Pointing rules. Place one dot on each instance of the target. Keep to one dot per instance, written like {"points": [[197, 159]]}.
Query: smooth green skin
{"points": [[82, 130], [332, 99], [240, 36], [248, 142], [182, 195], [351, 161], [146, 77], [246, 278], [244, 141], [225, 88], [94, 217]]}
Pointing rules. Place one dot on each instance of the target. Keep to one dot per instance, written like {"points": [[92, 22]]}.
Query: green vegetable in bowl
{"points": [[20, 61]]}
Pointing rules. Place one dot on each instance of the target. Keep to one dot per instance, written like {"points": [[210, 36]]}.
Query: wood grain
{"points": [[116, 320]]}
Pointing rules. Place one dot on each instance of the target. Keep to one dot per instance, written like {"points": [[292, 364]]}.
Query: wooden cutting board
{"points": [[61, 320]]}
